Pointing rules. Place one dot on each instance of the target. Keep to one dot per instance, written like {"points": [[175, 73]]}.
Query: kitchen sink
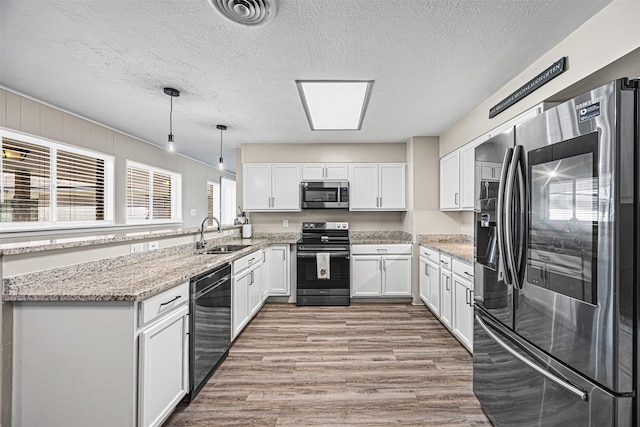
{"points": [[225, 249]]}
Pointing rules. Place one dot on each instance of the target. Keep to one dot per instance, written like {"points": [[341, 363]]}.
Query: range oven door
{"points": [[315, 291]]}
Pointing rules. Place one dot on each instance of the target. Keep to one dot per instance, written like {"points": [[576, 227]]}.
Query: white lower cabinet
{"points": [[446, 288], [246, 290], [108, 363], [163, 367], [381, 270], [277, 276], [463, 303], [445, 297]]}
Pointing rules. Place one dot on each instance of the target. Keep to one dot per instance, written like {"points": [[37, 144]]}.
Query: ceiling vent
{"points": [[246, 12]]}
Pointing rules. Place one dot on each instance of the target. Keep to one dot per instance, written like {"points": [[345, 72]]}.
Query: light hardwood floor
{"points": [[367, 364]]}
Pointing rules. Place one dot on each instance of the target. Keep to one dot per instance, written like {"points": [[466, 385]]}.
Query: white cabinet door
{"points": [[433, 275], [240, 302], [336, 172], [363, 186], [450, 181], [397, 275], [163, 367], [285, 186], [392, 186], [255, 289], [424, 281], [490, 171], [256, 187], [278, 270], [467, 176], [445, 297], [366, 276], [463, 311], [313, 172]]}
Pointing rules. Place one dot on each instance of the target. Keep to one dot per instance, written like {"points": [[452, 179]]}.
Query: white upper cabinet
{"points": [[325, 172], [374, 187], [458, 168], [450, 181], [271, 186]]}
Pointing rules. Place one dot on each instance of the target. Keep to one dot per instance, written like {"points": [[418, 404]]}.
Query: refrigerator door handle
{"points": [[500, 214], [519, 262], [508, 226], [580, 394]]}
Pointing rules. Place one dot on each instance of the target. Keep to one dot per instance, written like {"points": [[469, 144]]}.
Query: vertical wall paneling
{"points": [[13, 111], [3, 107], [29, 116], [50, 123], [71, 130]]}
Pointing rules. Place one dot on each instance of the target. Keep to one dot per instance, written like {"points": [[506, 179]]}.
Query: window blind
{"points": [[26, 182], [80, 191], [152, 194], [213, 201]]}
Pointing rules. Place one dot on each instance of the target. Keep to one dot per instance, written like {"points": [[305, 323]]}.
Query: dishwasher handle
{"points": [[212, 287]]}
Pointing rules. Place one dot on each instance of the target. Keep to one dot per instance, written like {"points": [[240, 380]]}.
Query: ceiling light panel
{"points": [[334, 105]]}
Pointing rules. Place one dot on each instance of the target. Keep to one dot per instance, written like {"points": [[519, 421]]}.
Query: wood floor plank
{"points": [[362, 365]]}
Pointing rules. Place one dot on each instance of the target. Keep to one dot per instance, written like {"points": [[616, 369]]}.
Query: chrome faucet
{"points": [[202, 243]]}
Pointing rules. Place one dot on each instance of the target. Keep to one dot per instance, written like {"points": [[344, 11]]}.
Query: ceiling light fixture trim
{"points": [[246, 12], [173, 93], [336, 105], [221, 163]]}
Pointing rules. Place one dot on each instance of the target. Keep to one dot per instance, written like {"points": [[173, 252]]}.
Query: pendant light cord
{"points": [[171, 117], [220, 143]]}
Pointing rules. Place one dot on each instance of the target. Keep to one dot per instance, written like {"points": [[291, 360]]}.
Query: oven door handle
{"points": [[340, 254]]}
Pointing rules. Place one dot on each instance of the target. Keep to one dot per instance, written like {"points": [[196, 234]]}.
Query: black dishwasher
{"points": [[210, 325]]}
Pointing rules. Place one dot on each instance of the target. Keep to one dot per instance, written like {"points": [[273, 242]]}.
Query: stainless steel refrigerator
{"points": [[556, 274]]}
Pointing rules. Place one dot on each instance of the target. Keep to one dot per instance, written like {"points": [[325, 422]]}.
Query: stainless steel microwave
{"points": [[324, 195]]}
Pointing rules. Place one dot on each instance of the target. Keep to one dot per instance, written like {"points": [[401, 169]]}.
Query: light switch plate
{"points": [[192, 212], [285, 223], [153, 246], [137, 247]]}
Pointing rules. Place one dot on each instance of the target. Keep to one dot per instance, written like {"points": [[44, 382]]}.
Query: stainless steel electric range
{"points": [[323, 264]]}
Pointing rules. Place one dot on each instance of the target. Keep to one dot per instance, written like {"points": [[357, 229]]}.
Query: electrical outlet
{"points": [[192, 212], [153, 246], [137, 247], [285, 223]]}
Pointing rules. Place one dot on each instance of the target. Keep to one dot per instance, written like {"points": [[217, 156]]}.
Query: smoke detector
{"points": [[246, 12]]}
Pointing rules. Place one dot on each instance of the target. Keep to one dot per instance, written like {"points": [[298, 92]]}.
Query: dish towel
{"points": [[322, 263]]}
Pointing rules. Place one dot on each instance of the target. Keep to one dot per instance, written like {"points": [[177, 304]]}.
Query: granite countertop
{"points": [[379, 237], [24, 247], [456, 245], [126, 278]]}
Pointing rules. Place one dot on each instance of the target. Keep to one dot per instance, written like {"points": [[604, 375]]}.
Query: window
{"points": [[153, 195], [227, 201], [50, 185], [213, 201]]}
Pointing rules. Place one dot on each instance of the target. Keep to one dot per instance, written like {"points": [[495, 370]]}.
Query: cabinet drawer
{"points": [[164, 302], [246, 261], [430, 254], [381, 249], [445, 261], [462, 269]]}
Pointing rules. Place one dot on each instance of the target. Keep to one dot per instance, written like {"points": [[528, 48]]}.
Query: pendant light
{"points": [[172, 93], [221, 164]]}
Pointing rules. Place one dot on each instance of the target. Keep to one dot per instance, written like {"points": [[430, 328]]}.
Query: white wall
{"points": [[606, 38], [24, 114]]}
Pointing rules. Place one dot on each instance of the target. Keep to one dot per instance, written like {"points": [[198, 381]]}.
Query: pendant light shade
{"points": [[221, 164], [172, 93]]}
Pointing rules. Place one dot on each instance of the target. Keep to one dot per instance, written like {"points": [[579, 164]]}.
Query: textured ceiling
{"points": [[432, 62]]}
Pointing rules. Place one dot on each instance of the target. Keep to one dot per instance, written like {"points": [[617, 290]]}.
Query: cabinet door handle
{"points": [[468, 274], [426, 270], [448, 288], [466, 295], [384, 264], [171, 300], [381, 201], [455, 199], [263, 256], [251, 282], [471, 297], [380, 264]]}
